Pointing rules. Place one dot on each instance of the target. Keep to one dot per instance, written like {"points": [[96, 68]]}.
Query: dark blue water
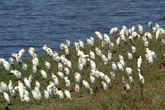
{"points": [[26, 23]]}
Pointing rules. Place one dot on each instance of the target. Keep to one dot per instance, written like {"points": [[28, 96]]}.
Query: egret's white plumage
{"points": [[66, 71], [60, 74], [46, 94], [99, 35], [77, 88], [105, 86], [47, 65], [114, 66], [67, 94], [11, 60], [139, 62], [60, 67], [60, 94], [141, 78], [86, 84], [92, 79], [44, 74], [77, 77], [68, 43], [16, 73], [25, 67], [130, 57], [27, 83], [6, 97], [129, 71]]}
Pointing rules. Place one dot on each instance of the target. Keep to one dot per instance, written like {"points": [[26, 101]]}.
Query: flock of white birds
{"points": [[25, 89]]}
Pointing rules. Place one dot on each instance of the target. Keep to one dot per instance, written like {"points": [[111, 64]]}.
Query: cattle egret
{"points": [[130, 39], [16, 73], [37, 95], [127, 87], [68, 43], [92, 55], [109, 56], [3, 87], [129, 71], [140, 28], [56, 81], [44, 74], [105, 87], [131, 80], [133, 49], [27, 99], [150, 25], [6, 96], [139, 62], [112, 75], [92, 79], [120, 66], [77, 77], [67, 71], [163, 42], [99, 35], [107, 79], [31, 51], [46, 94], [13, 93], [60, 67], [81, 44], [30, 78], [114, 67], [11, 60], [60, 74], [34, 68], [25, 67], [158, 33], [38, 85], [130, 57], [67, 94], [118, 41], [60, 94], [27, 83], [86, 84], [47, 65], [141, 78], [106, 39], [10, 85], [77, 88], [67, 82]]}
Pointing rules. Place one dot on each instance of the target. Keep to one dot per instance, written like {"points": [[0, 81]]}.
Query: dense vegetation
{"points": [[149, 96]]}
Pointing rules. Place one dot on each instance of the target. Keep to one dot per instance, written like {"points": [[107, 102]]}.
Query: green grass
{"points": [[115, 98]]}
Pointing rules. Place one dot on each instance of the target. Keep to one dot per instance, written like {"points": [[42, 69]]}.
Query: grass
{"points": [[115, 98]]}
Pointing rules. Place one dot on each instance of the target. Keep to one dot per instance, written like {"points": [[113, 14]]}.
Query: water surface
{"points": [[26, 23]]}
